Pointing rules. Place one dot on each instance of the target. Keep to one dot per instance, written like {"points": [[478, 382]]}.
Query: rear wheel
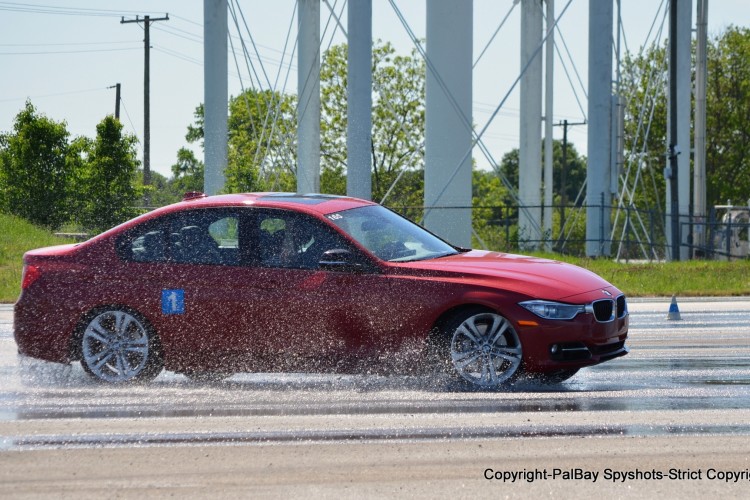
{"points": [[118, 345], [483, 348]]}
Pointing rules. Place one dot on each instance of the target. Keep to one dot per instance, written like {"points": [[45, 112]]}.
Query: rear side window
{"points": [[200, 237], [148, 247]]}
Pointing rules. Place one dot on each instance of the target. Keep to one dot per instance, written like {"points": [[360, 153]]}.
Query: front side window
{"points": [[389, 236], [291, 240], [205, 237]]}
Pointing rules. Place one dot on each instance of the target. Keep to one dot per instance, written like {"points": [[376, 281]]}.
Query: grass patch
{"points": [[693, 278], [16, 237]]}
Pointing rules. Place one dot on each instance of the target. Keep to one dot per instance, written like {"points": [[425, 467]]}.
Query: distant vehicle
{"points": [[732, 235], [216, 285]]}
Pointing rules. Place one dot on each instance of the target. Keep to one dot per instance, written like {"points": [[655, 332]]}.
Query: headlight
{"points": [[552, 310]]}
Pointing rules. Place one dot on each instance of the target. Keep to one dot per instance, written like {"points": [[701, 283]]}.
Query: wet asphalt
{"points": [[690, 376]]}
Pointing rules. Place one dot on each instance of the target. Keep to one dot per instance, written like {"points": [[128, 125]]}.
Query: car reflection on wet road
{"points": [[696, 371]]}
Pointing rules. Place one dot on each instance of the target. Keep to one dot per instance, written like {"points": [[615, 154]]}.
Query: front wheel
{"points": [[118, 345], [483, 348]]}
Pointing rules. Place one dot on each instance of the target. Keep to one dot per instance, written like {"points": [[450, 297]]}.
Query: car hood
{"points": [[532, 276]]}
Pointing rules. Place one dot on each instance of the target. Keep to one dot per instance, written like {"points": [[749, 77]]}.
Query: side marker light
{"points": [[527, 323]]}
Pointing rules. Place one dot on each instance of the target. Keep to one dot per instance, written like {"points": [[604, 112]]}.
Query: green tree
{"points": [[575, 174], [35, 171], [107, 183], [262, 128], [407, 197], [575, 177], [490, 214], [187, 173], [195, 131], [397, 122], [727, 117], [644, 84], [163, 191]]}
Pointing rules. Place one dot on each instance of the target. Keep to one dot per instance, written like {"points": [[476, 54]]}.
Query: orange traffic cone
{"points": [[674, 311]]}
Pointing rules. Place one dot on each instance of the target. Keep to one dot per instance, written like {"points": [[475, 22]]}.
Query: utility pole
{"points": [[563, 175], [146, 20], [117, 99]]}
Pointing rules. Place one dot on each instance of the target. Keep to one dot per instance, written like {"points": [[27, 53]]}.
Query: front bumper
{"points": [[583, 341]]}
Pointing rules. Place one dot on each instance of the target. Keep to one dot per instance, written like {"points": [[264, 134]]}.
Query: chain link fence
{"points": [[636, 234]]}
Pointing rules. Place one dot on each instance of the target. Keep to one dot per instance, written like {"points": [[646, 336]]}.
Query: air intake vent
{"points": [[622, 307], [604, 310]]}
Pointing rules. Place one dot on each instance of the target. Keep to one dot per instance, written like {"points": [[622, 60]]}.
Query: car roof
{"points": [[313, 203]]}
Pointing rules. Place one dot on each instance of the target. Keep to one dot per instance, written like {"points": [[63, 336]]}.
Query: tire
{"points": [[482, 348], [117, 345]]}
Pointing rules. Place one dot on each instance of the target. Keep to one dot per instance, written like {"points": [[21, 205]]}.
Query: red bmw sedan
{"points": [[216, 285]]}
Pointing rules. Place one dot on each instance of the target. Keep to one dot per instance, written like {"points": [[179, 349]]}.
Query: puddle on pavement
{"points": [[54, 391]]}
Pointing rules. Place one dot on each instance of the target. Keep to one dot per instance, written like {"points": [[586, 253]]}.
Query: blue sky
{"points": [[64, 54]]}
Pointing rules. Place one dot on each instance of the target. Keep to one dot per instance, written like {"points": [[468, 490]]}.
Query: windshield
{"points": [[389, 236]]}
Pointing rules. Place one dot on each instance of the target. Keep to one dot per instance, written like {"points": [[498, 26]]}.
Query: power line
{"points": [[61, 44], [185, 35], [130, 120], [56, 94], [57, 10], [179, 55], [55, 52]]}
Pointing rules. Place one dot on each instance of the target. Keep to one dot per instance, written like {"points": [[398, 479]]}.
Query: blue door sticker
{"points": [[173, 301]]}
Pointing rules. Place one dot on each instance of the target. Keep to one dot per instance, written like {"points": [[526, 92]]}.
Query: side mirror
{"points": [[340, 260]]}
